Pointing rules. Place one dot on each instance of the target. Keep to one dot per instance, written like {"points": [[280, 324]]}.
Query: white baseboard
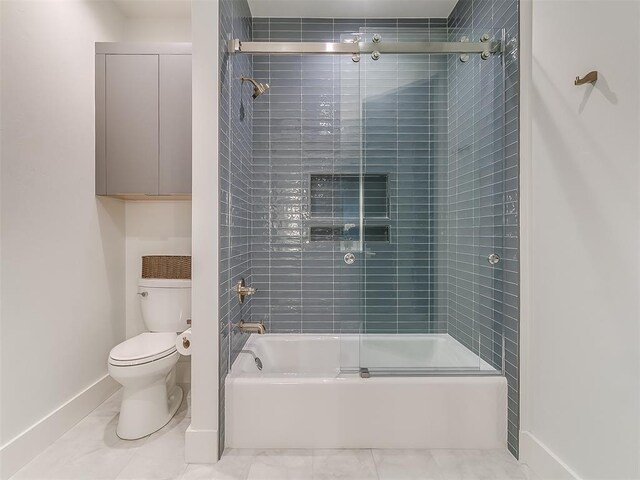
{"points": [[19, 451], [201, 446], [542, 461]]}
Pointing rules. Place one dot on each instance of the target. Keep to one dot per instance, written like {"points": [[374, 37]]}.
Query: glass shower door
{"points": [[331, 166], [432, 210]]}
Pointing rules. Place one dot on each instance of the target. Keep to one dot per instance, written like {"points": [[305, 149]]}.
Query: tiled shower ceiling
{"points": [[352, 8]]}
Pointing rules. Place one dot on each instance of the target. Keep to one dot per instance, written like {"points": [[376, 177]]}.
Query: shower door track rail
{"points": [[484, 48], [421, 372]]}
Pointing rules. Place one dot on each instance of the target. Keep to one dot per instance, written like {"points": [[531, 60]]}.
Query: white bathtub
{"points": [[301, 399]]}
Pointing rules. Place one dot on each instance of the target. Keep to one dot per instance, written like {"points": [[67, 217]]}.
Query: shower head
{"points": [[258, 88]]}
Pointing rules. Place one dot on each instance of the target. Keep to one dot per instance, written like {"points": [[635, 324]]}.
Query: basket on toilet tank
{"points": [[166, 266], [165, 292]]}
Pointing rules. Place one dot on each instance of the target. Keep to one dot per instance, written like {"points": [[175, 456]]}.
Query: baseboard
{"points": [[542, 461], [19, 451], [201, 446]]}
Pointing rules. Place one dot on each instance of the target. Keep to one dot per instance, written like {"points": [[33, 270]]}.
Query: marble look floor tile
{"points": [[167, 442], [282, 465], [199, 471], [92, 446], [344, 464], [141, 467], [91, 449], [528, 473], [161, 457], [406, 465], [478, 465], [57, 465], [110, 407], [234, 465]]}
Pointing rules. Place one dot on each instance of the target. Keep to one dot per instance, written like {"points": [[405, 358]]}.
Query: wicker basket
{"points": [[166, 266]]}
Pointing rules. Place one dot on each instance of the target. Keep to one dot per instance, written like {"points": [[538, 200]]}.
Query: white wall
{"points": [[62, 304], [581, 290], [152, 228], [157, 29]]}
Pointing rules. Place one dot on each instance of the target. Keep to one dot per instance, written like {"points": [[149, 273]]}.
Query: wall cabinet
{"points": [[143, 120]]}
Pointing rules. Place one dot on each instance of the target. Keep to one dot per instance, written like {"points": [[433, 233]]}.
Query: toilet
{"points": [[145, 365]]}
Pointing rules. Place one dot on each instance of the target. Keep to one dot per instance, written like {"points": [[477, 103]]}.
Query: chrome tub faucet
{"points": [[248, 327]]}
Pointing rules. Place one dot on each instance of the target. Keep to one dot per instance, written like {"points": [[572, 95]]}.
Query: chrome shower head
{"points": [[258, 88]]}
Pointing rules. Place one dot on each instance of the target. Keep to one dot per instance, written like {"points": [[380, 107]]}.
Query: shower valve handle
{"points": [[242, 290]]}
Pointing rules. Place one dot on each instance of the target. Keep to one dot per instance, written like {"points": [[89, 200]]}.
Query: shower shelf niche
{"points": [[348, 233], [335, 207]]}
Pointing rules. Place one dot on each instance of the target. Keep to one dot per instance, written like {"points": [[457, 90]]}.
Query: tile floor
{"points": [[92, 451]]}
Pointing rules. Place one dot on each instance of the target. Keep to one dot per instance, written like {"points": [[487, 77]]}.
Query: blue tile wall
{"points": [[308, 124], [483, 194], [235, 176]]}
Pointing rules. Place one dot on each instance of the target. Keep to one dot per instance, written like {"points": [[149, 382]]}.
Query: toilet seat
{"points": [[144, 348]]}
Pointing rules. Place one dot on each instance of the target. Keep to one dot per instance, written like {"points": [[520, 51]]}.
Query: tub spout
{"points": [[247, 327]]}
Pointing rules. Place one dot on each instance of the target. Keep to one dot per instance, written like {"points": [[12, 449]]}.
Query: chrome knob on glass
{"points": [[349, 258]]}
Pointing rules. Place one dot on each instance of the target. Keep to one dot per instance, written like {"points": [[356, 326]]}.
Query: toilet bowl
{"points": [[145, 364], [145, 367]]}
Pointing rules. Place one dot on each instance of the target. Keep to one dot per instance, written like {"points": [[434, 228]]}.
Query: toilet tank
{"points": [[165, 304]]}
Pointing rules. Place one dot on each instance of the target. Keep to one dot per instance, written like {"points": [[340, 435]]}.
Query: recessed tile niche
{"points": [[335, 207]]}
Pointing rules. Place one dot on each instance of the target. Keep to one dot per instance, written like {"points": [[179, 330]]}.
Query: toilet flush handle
{"points": [[143, 294]]}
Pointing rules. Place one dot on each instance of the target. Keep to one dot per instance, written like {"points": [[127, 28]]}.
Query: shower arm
{"points": [[248, 79]]}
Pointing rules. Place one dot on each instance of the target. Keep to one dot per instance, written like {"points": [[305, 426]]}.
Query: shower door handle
{"points": [[349, 258]]}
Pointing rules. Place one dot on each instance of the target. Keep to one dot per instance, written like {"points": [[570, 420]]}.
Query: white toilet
{"points": [[145, 365]]}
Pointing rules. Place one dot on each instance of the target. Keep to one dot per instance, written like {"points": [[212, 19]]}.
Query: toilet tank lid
{"points": [[164, 283]]}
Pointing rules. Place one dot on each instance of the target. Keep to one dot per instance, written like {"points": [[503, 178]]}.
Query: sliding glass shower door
{"points": [[431, 208]]}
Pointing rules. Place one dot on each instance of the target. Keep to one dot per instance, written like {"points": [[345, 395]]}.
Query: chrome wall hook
{"points": [[591, 77]]}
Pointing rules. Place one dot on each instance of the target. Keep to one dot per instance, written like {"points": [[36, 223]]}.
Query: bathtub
{"points": [[310, 394]]}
